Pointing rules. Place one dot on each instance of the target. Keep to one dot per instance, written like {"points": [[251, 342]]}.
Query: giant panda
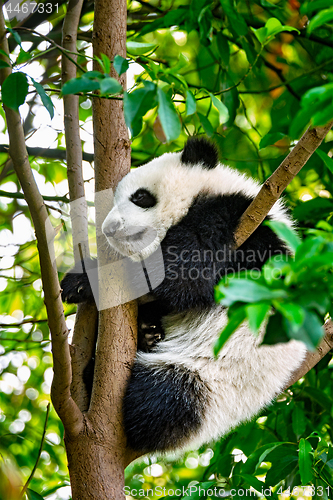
{"points": [[179, 396]]}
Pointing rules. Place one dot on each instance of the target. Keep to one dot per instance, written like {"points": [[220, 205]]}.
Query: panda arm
{"points": [[198, 251]]}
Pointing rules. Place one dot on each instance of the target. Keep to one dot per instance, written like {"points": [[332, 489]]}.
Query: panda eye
{"points": [[143, 198]]}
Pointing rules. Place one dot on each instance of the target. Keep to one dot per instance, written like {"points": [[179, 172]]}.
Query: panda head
{"points": [[152, 198], [156, 196]]}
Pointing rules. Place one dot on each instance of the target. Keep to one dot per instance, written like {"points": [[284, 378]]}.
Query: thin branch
{"points": [[84, 338], [10, 339], [20, 196], [63, 51], [84, 94], [116, 344], [24, 489], [64, 404], [56, 154], [278, 181], [286, 83], [31, 320], [261, 205], [78, 210], [312, 358], [280, 74]]}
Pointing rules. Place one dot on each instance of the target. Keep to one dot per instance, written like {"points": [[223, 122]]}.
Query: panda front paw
{"points": [[76, 286], [76, 289]]}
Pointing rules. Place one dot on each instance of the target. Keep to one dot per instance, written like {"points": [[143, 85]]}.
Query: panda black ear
{"points": [[200, 150]]}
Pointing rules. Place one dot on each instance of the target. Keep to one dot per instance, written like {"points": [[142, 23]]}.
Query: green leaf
{"points": [[243, 290], [271, 139], [309, 248], [139, 48], [326, 159], [3, 53], [298, 421], [33, 495], [260, 33], [301, 120], [280, 469], [272, 28], [198, 493], [323, 115], [171, 18], [236, 22], [16, 36], [324, 16], [207, 126], [252, 481], [324, 92], [275, 331], [309, 7], [14, 90], [319, 397], [46, 100], [168, 116], [23, 57], [136, 105], [294, 313], [222, 109], [81, 84], [286, 233], [235, 320], [91, 75], [120, 64], [106, 63], [317, 208], [191, 103], [305, 461], [223, 47], [256, 314], [264, 451], [311, 332], [4, 64], [110, 86]]}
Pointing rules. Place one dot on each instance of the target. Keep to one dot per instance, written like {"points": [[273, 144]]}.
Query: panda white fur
{"points": [[179, 397]]}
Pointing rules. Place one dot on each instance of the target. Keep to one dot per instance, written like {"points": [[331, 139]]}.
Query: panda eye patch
{"points": [[143, 198]]}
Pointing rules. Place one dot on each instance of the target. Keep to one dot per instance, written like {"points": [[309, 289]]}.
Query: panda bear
{"points": [[179, 396]]}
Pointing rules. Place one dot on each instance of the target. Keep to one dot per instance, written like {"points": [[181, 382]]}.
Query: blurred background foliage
{"points": [[253, 94]]}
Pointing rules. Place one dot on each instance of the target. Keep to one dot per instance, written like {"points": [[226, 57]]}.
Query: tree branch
{"points": [[84, 338], [79, 214], [278, 181], [116, 344], [25, 487], [312, 358], [261, 205], [64, 404], [52, 153], [20, 196]]}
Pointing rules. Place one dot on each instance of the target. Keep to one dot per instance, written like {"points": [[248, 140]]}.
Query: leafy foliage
{"points": [[298, 289]]}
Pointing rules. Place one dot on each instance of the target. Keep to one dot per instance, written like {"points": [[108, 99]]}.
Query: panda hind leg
{"points": [[150, 329]]}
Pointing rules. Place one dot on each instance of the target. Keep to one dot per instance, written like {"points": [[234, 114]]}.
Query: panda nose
{"points": [[111, 228]]}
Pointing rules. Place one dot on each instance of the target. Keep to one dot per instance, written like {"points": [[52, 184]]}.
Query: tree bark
{"points": [[275, 185], [83, 344], [60, 392], [100, 453], [312, 358]]}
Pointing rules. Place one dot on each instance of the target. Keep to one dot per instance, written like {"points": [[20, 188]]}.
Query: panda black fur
{"points": [[179, 397]]}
